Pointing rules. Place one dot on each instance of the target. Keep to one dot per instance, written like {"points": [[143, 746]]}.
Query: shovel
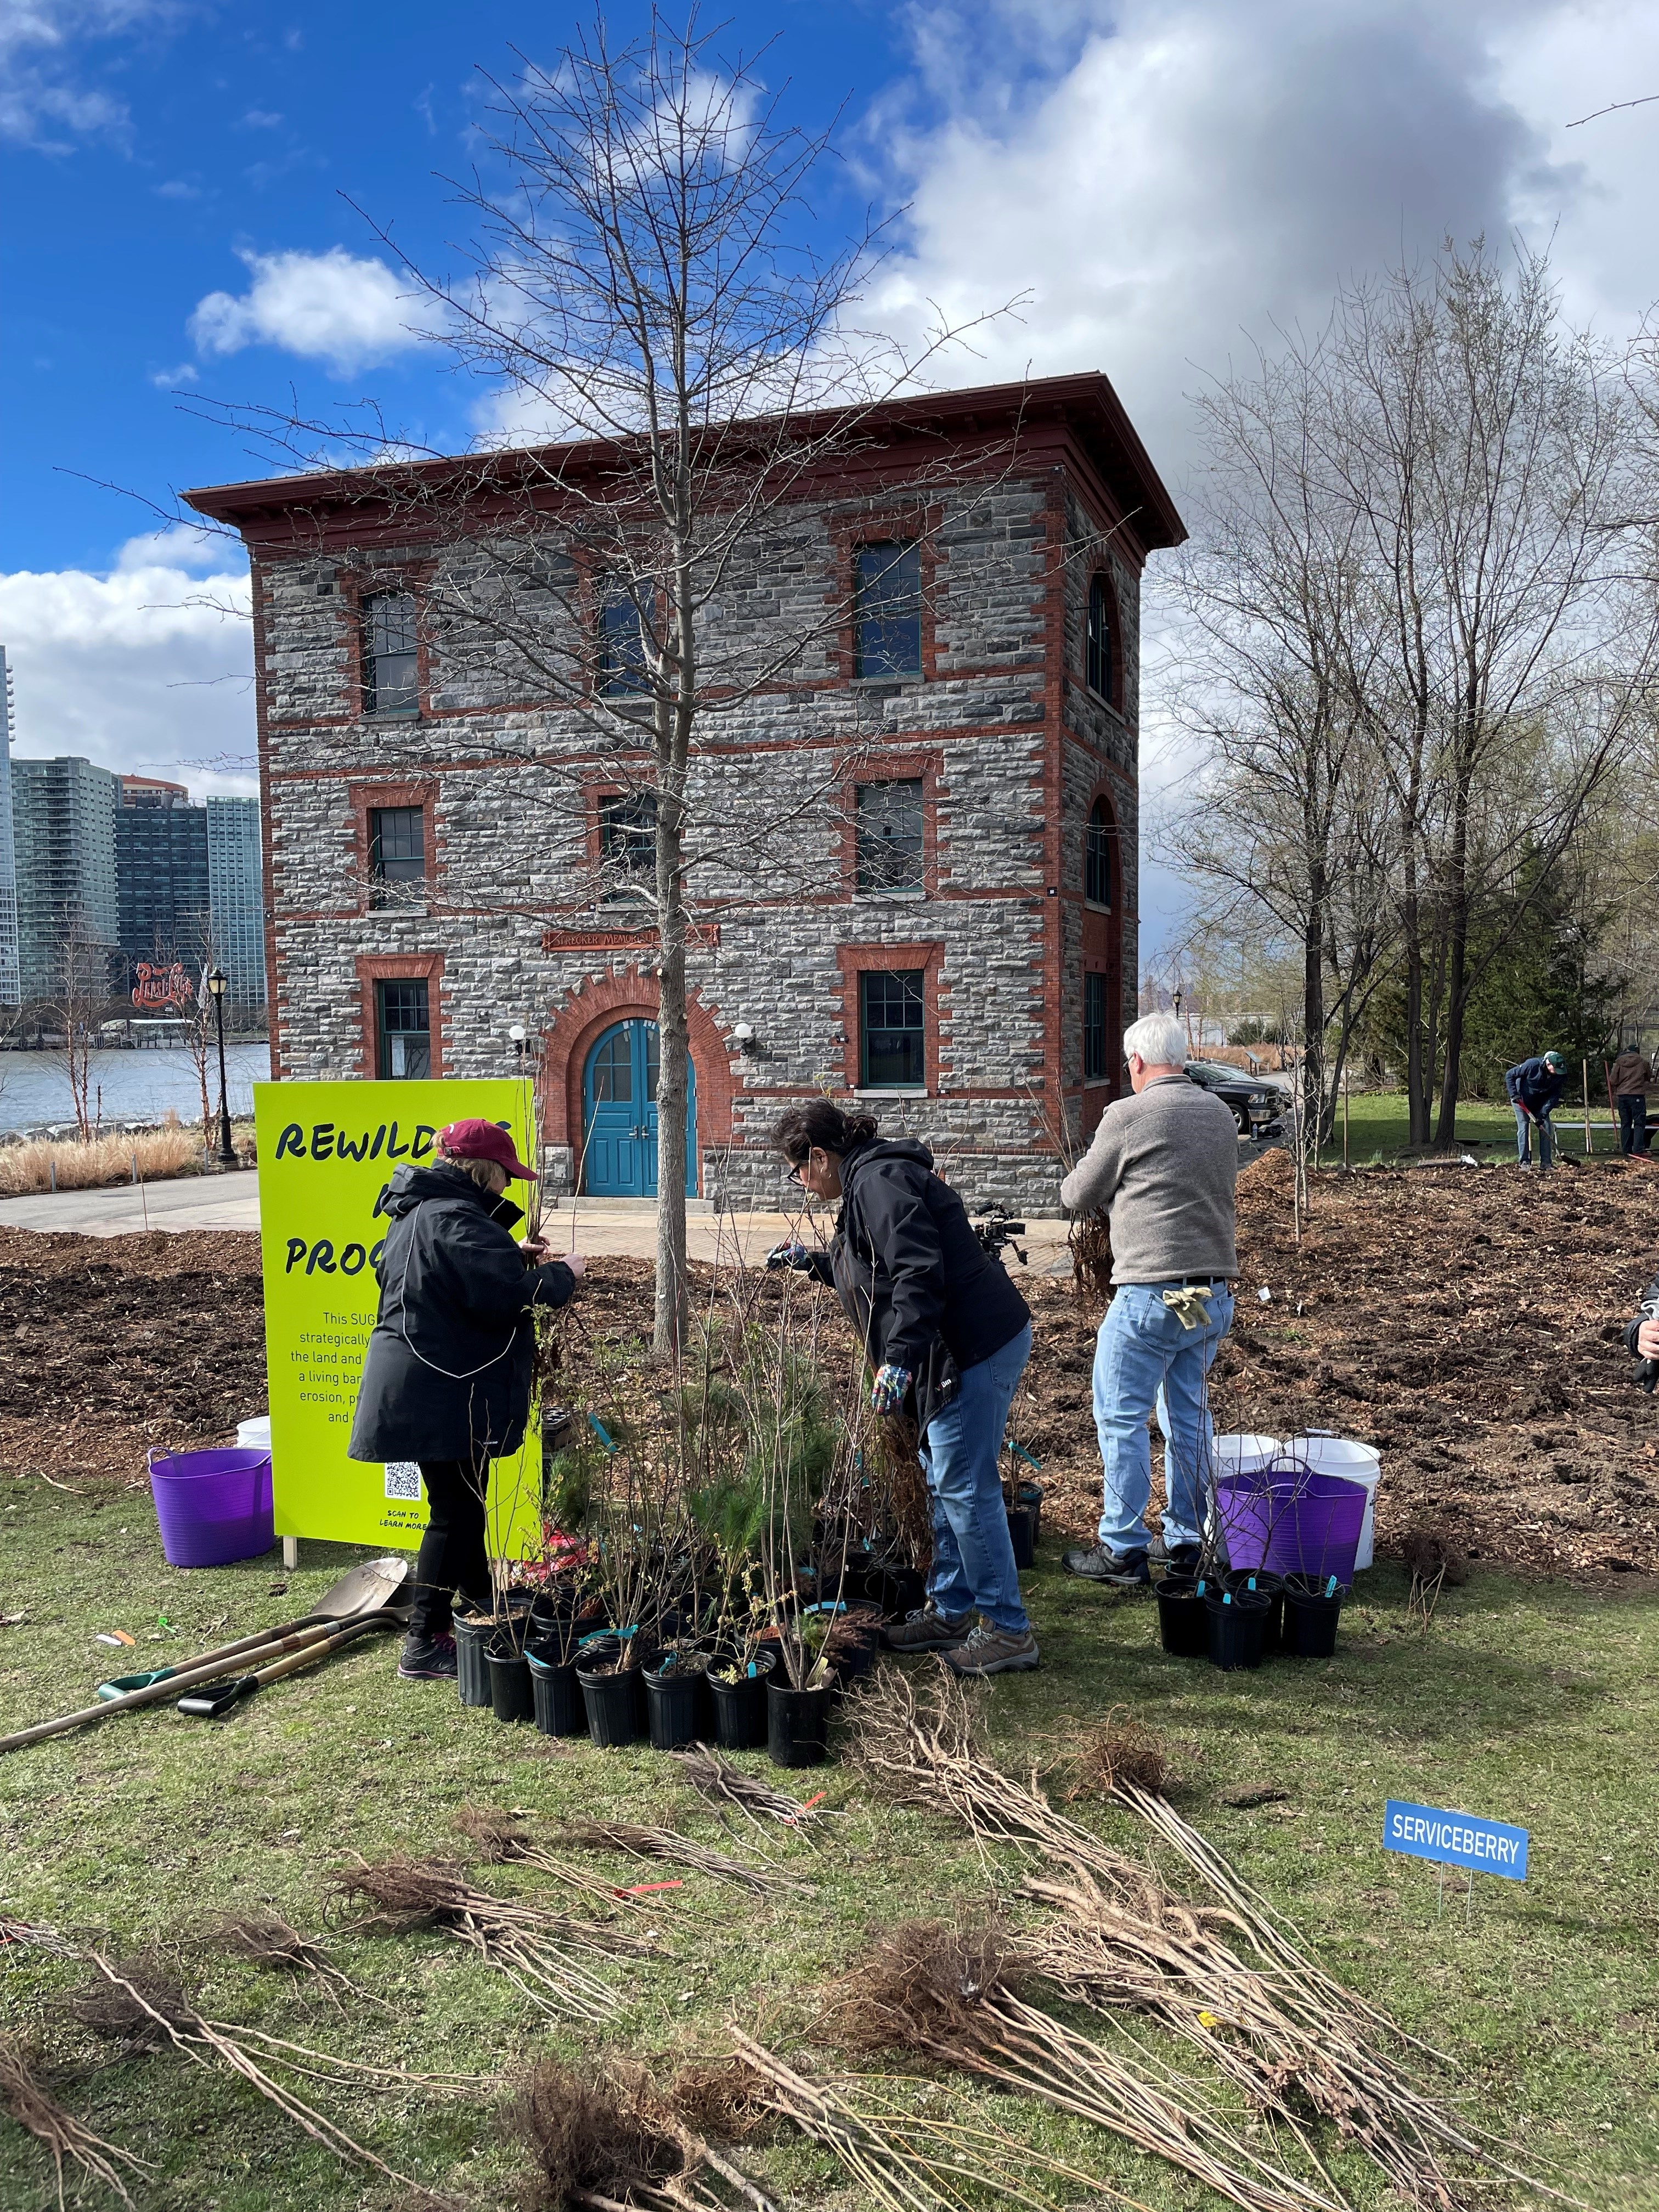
{"points": [[377, 1587], [367, 1588], [215, 1700]]}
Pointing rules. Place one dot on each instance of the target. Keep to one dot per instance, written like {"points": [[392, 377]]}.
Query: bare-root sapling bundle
{"points": [[633, 1841], [1278, 2025], [540, 1953], [603, 2139], [25, 2098]]}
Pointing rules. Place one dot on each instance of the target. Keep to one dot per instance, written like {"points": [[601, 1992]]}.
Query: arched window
{"points": [[1100, 638], [1098, 855]]}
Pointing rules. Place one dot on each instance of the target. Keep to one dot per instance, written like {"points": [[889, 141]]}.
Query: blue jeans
{"points": [[973, 1569], [1145, 1358], [1523, 1128]]}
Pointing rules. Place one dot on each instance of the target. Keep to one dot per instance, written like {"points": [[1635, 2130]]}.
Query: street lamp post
{"points": [[216, 983]]}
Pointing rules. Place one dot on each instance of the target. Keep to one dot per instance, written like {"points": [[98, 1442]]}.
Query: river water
{"points": [[136, 1087]]}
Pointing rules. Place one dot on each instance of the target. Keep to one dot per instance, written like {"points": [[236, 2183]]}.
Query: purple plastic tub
{"points": [[213, 1506], [1292, 1522]]}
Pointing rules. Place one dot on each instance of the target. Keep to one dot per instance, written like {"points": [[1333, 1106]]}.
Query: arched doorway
{"points": [[619, 1115]]}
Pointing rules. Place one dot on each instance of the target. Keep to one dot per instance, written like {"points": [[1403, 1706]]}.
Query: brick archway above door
{"points": [[592, 1008]]}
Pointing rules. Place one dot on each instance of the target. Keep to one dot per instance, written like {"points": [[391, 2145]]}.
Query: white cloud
{"points": [[332, 307], [164, 380], [142, 667], [38, 86], [1165, 177]]}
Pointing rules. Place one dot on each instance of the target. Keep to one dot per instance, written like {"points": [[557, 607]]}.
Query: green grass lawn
{"points": [[1536, 1705], [1377, 1125]]}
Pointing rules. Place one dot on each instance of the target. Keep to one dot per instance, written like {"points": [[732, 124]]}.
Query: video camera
{"points": [[996, 1229]]}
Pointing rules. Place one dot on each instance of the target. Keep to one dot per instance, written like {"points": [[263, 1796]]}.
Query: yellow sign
{"points": [[326, 1151]]}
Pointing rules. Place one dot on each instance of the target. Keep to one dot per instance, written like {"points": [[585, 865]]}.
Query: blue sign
{"points": [[1464, 1840]]}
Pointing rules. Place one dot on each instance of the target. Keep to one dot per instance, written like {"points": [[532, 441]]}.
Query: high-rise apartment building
{"points": [[236, 896], [10, 981], [162, 890], [64, 813]]}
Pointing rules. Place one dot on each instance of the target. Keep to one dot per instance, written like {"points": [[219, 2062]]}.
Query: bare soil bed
{"points": [[1467, 1323]]}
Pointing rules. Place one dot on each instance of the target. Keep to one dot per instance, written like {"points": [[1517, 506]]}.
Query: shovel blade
{"points": [[122, 1683], [371, 1586]]}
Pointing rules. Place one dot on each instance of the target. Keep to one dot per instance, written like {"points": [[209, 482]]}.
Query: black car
{"points": [[1255, 1106]]}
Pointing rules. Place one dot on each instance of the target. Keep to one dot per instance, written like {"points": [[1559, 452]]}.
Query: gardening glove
{"points": [[791, 1253], [888, 1392], [1189, 1305]]}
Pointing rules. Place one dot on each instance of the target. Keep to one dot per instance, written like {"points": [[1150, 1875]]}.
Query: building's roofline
{"points": [[1084, 405]]}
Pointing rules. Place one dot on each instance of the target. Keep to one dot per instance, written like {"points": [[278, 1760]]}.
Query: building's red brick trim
{"points": [[852, 959], [891, 768], [368, 798], [259, 593], [870, 525], [588, 1012], [374, 968]]}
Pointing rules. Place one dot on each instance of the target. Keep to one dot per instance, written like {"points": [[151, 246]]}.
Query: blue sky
{"points": [[1163, 179]]}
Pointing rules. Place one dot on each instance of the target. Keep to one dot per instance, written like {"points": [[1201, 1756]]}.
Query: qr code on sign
{"points": [[403, 1480]]}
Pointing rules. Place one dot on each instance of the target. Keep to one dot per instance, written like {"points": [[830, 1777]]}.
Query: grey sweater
{"points": [[1164, 1164]]}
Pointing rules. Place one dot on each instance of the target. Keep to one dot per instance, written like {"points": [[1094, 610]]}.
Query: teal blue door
{"points": [[619, 1116]]}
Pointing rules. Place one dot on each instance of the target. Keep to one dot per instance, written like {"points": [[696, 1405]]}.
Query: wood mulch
{"points": [[1467, 1323]]}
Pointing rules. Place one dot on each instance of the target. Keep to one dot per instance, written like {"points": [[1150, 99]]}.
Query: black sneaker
{"points": [[1123, 1569], [427, 1659], [1182, 1558]]}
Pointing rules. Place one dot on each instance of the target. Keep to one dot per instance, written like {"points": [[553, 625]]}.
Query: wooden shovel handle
{"points": [[201, 1670]]}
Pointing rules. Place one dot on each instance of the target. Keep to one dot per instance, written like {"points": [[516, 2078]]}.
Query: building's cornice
{"points": [[1013, 428]]}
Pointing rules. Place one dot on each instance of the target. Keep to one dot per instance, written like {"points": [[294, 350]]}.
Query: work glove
{"points": [[790, 1254], [887, 1393], [1189, 1305]]}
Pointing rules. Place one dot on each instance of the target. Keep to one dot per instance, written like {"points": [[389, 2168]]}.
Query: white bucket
{"points": [[1325, 1453], [254, 1435]]}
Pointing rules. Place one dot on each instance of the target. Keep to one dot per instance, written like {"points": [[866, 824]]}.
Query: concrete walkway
{"points": [[600, 1227]]}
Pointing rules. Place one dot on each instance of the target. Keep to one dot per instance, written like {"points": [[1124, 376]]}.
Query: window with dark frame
{"points": [[622, 673], [892, 1039], [888, 828], [404, 1039], [1094, 1028], [391, 674], [1100, 669], [396, 847], [887, 608], [1098, 855], [628, 842]]}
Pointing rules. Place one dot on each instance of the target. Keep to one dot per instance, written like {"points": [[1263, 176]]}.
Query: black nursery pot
{"points": [[1238, 1628], [1183, 1624], [510, 1693], [676, 1700], [1271, 1587], [1032, 1494], [612, 1702], [797, 1724], [556, 1693], [895, 1590], [1022, 1534], [476, 1636], [1311, 1618], [740, 1706]]}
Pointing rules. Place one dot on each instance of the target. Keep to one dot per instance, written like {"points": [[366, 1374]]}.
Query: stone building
{"points": [[953, 932]]}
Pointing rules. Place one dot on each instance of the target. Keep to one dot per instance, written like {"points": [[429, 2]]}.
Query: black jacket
{"points": [[912, 1277], [447, 1372]]}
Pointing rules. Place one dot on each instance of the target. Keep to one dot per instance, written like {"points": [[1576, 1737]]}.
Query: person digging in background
{"points": [[1630, 1078], [1534, 1087], [446, 1377], [1164, 1164], [948, 1336]]}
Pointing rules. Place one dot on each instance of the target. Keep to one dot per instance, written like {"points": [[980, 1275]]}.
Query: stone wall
{"points": [[512, 831]]}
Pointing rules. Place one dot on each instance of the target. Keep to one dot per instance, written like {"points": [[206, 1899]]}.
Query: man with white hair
{"points": [[1163, 1164]]}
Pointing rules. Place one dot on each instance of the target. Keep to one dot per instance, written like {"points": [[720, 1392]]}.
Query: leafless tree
{"points": [[644, 294], [79, 1000]]}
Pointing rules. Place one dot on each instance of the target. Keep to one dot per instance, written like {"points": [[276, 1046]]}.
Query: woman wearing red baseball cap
{"points": [[446, 1377]]}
